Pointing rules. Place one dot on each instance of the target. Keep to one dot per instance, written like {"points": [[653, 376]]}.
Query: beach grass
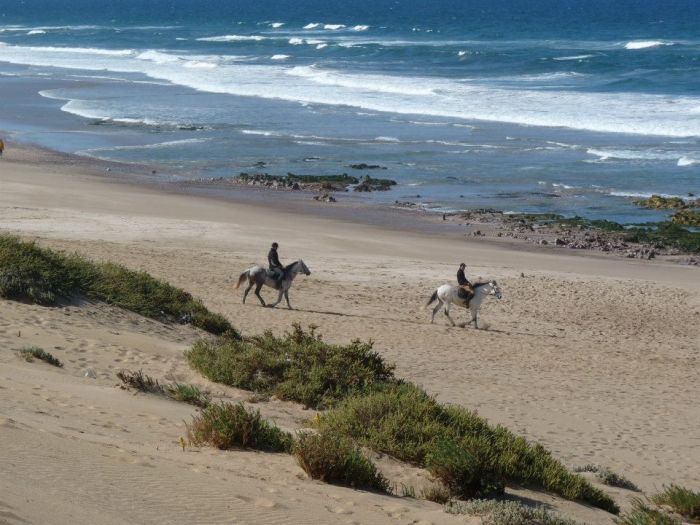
{"points": [[227, 426], [178, 391], [34, 352], [298, 366], [46, 277], [495, 512], [608, 477], [471, 457], [643, 514], [683, 501], [337, 460]]}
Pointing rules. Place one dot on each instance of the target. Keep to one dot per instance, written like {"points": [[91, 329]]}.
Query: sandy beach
{"points": [[595, 357]]}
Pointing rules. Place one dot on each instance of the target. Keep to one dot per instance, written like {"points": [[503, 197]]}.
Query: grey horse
{"points": [[258, 276]]}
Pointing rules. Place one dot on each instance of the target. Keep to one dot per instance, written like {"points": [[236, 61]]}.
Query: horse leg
{"points": [[475, 317], [286, 296], [257, 292], [436, 310], [279, 298], [245, 294], [447, 313]]}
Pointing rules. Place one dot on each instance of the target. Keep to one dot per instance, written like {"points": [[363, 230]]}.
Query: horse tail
{"points": [[433, 298], [241, 278]]}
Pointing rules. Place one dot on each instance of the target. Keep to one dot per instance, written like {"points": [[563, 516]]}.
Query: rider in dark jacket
{"points": [[464, 282], [276, 268]]}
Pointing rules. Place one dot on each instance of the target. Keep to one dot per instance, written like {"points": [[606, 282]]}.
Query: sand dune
{"points": [[594, 357]]}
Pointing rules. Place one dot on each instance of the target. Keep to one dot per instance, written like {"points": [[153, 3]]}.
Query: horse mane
{"points": [[289, 266], [479, 284]]}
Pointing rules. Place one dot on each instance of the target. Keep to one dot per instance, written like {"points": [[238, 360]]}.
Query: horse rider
{"points": [[464, 283], [276, 268]]}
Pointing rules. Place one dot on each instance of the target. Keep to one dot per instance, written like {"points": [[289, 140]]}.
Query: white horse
{"points": [[447, 295], [259, 276]]}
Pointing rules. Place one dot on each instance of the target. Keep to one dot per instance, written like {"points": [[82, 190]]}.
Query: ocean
{"points": [[567, 106]]}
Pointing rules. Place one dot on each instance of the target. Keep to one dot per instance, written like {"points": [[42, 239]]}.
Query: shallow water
{"points": [[550, 106]]}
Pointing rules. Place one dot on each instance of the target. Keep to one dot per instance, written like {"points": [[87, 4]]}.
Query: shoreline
{"points": [[493, 227]]}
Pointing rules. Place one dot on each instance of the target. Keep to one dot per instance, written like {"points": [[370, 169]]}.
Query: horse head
{"points": [[304, 269]]}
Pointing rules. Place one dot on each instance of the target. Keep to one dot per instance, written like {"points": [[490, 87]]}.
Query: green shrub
{"points": [[608, 477], [298, 366], [34, 352], [436, 493], [227, 425], [177, 391], [335, 459], [465, 452], [683, 501], [43, 276], [493, 512], [641, 514], [188, 394]]}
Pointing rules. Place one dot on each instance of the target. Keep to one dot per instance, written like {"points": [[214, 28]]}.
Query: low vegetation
{"points": [[337, 460], [34, 352], [373, 409], [683, 501], [494, 512], [227, 425], [608, 477], [47, 277], [643, 514], [298, 366], [177, 391], [471, 457]]}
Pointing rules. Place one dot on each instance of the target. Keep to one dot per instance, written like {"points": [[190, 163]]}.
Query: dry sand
{"points": [[595, 357]]}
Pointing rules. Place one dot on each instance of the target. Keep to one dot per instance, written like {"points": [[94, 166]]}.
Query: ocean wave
{"points": [[334, 27], [158, 145], [687, 161], [232, 38], [321, 45], [620, 154], [198, 64], [276, 25], [71, 50], [36, 32], [360, 28], [641, 194], [312, 25], [279, 57], [646, 44], [158, 57], [296, 41], [614, 112], [575, 57]]}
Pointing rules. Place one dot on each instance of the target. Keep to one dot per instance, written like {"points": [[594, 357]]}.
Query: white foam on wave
{"points": [[279, 57], [158, 145], [69, 50], [36, 32], [296, 41], [199, 64], [623, 112], [646, 44], [360, 28], [260, 132], [386, 139], [575, 57], [158, 57], [334, 27], [233, 38], [461, 53], [687, 161], [276, 25], [312, 25], [321, 46], [623, 154]]}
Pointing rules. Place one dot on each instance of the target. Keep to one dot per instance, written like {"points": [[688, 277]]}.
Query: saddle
{"points": [[465, 294]]}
